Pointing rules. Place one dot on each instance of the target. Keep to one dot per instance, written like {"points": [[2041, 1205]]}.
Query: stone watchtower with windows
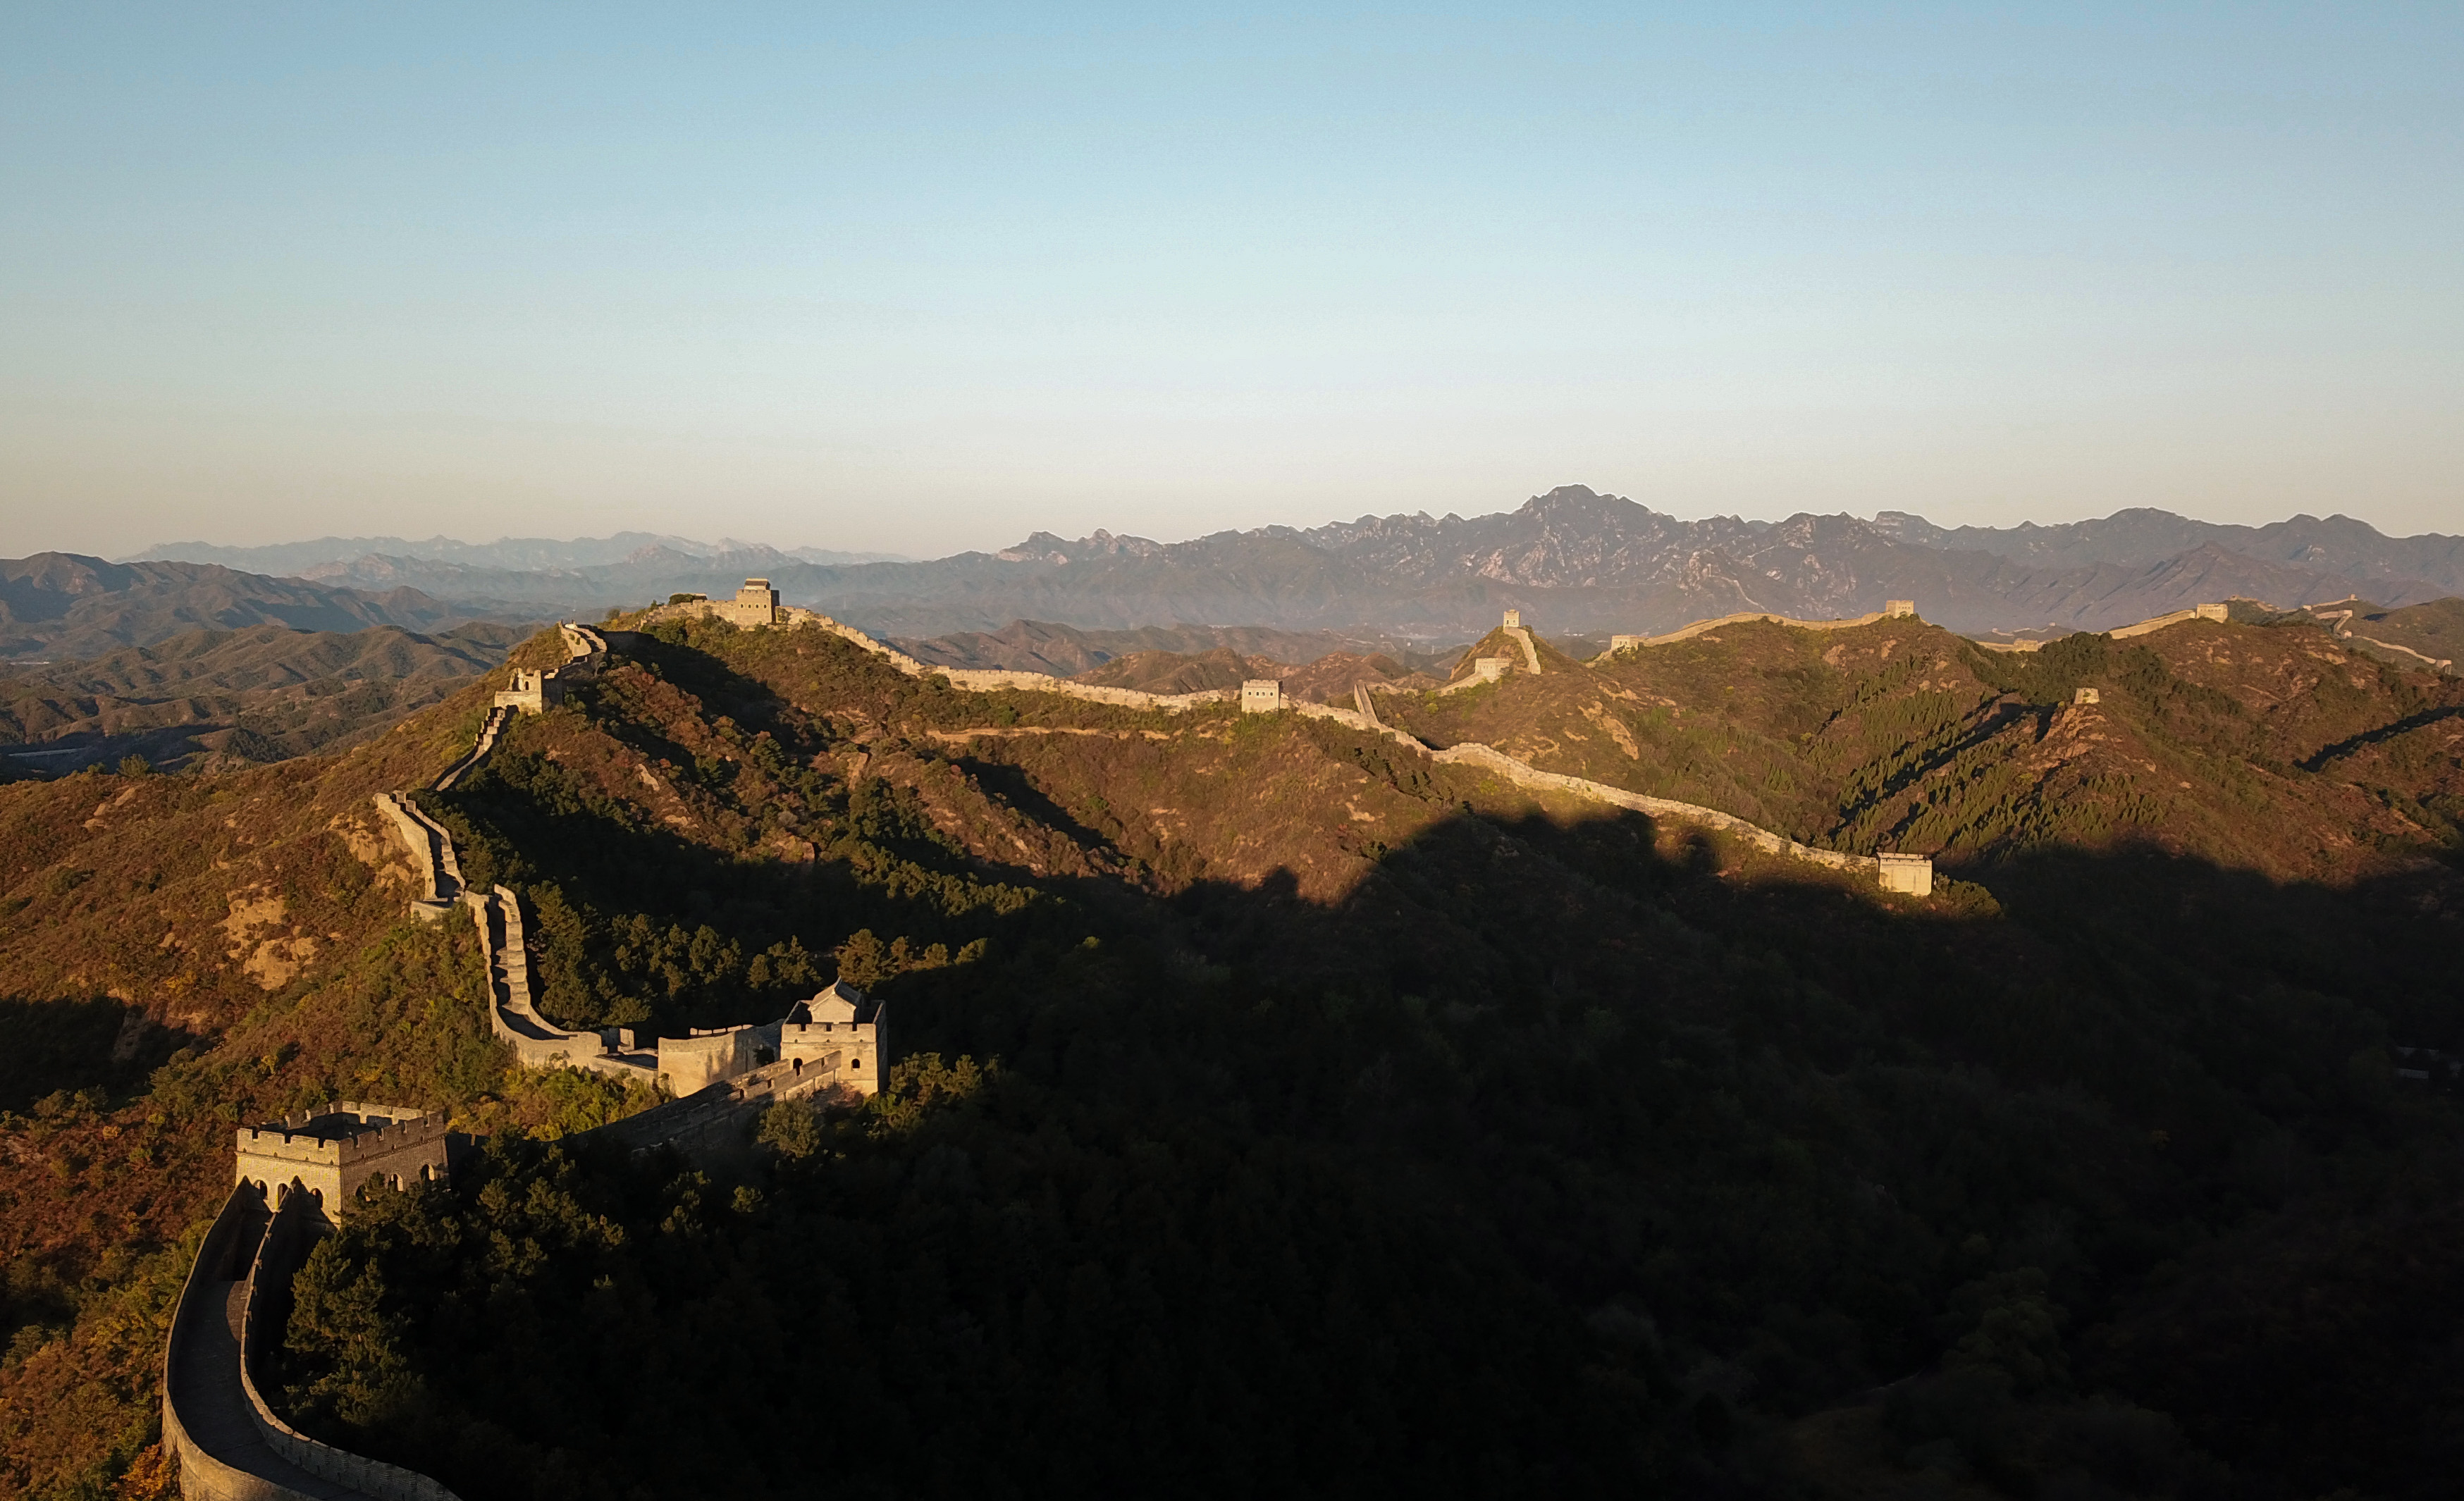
{"points": [[1262, 696], [329, 1152], [837, 1032], [757, 603]]}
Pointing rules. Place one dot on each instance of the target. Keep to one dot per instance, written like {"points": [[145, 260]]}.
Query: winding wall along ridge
{"points": [[985, 681], [228, 1443], [1522, 774], [227, 1439]]}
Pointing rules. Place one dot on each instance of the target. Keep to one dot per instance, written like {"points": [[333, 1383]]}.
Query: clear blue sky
{"points": [[923, 279]]}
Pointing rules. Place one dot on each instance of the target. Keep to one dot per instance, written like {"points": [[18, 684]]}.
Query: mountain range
{"points": [[62, 606], [218, 697], [337, 557], [1574, 559]]}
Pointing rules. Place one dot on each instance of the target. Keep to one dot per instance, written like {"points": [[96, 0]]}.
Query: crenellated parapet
{"points": [[330, 1152], [228, 1438]]}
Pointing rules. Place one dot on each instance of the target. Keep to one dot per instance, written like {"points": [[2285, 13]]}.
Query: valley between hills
{"points": [[1276, 1107]]}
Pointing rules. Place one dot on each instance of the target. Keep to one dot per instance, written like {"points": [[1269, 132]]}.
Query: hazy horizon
{"points": [[925, 282], [127, 554]]}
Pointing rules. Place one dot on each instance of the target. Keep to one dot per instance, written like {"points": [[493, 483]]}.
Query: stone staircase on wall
{"points": [[489, 732], [431, 854]]}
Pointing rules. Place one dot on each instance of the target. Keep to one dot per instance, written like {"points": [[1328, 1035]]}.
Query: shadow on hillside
{"points": [[53, 1045], [1569, 912], [1751, 1113], [2327, 755]]}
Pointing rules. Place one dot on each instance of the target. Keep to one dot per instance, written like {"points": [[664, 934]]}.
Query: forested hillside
{"points": [[1282, 1111]]}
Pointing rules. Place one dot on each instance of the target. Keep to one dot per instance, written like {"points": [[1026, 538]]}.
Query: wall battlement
{"points": [[330, 1151]]}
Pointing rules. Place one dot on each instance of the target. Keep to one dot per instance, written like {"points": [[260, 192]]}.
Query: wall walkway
{"points": [[1531, 652], [513, 1007], [228, 1442], [488, 733]]}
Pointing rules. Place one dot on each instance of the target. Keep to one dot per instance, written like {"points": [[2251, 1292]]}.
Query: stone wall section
{"points": [[719, 1120], [2141, 628], [699, 1059], [431, 854], [513, 1008], [490, 731], [227, 1439], [1617, 644], [206, 1429], [1531, 652], [1484, 670], [264, 1301], [981, 680], [1522, 774]]}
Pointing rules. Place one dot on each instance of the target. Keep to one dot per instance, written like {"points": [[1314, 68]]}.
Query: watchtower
{"points": [[534, 692], [329, 1152], [756, 603], [1909, 873], [831, 1038], [1262, 696]]}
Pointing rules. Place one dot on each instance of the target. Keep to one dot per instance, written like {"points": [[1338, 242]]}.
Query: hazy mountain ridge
{"points": [[1579, 562], [1583, 563], [2337, 544], [330, 555], [67, 605], [1574, 560]]}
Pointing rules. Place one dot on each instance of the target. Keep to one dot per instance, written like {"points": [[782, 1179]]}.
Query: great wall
{"points": [[293, 1178], [1910, 874]]}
